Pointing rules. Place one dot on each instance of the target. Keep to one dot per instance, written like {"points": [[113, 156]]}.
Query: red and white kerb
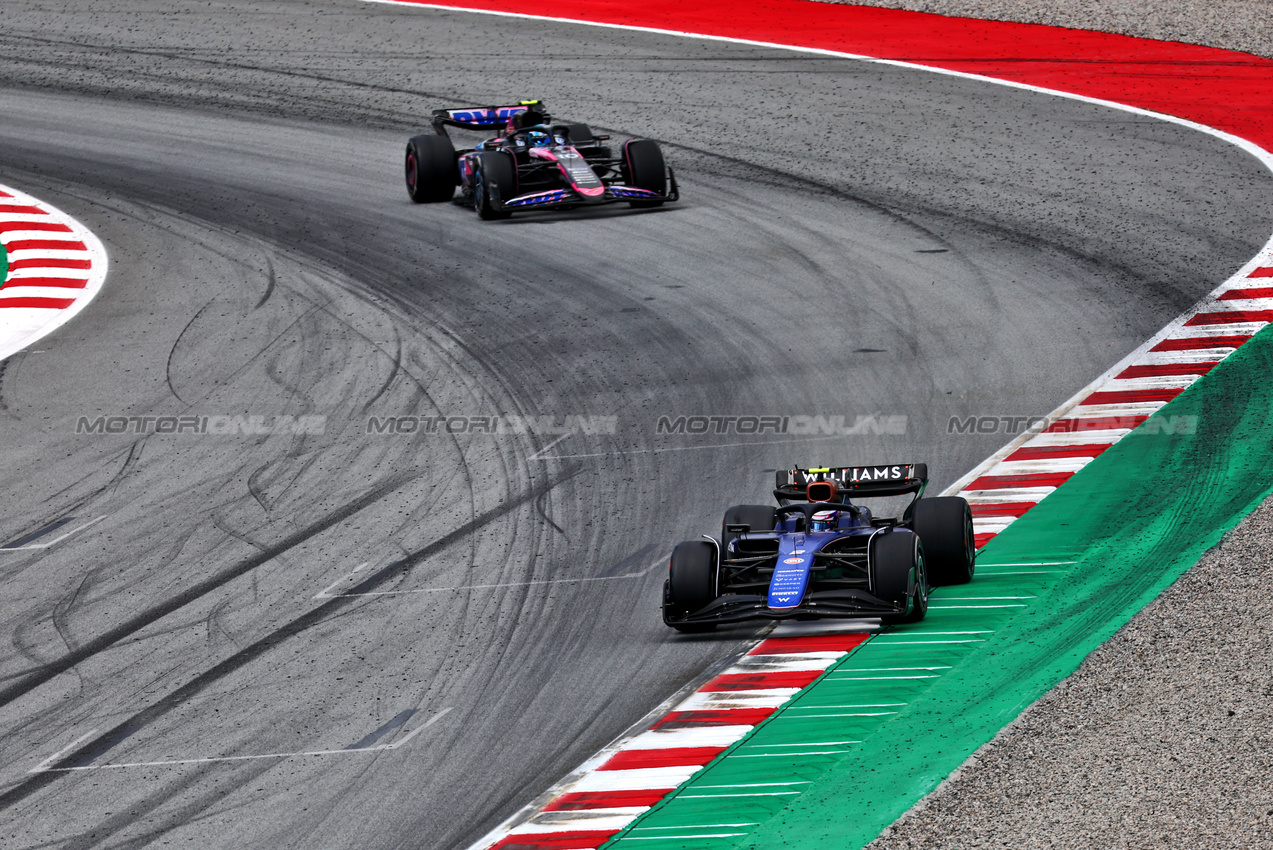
{"points": [[56, 266], [1015, 479], [625, 780]]}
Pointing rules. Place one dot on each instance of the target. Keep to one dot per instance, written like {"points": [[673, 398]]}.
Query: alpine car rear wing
{"points": [[482, 117], [898, 479]]}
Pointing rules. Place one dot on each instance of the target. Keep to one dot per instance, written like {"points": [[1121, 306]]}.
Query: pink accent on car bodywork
{"points": [[552, 155]]}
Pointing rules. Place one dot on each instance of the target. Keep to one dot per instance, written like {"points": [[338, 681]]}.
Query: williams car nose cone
{"points": [[791, 574]]}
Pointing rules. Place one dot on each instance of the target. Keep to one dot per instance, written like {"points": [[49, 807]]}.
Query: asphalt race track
{"points": [[854, 240]]}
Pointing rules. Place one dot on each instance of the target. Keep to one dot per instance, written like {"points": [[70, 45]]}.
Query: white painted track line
{"points": [[43, 767]]}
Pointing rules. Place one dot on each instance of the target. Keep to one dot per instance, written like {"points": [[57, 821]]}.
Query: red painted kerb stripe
{"points": [[42, 303], [577, 801], [666, 757], [555, 840], [761, 681], [1219, 88]]}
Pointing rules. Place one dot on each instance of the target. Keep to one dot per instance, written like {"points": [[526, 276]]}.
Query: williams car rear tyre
{"points": [[643, 168], [756, 517], [691, 584], [944, 524], [898, 574], [494, 176], [430, 169]]}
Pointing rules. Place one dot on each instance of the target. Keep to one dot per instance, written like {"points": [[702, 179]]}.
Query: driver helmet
{"points": [[538, 139], [824, 521]]}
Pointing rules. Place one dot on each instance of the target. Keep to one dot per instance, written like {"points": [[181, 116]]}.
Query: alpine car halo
{"points": [[533, 163], [819, 554]]}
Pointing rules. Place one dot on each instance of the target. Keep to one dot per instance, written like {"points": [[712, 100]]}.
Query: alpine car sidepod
{"points": [[818, 554], [533, 163]]}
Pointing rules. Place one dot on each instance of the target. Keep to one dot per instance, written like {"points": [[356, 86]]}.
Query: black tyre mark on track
{"points": [[217, 62], [157, 612], [104, 742], [396, 359], [172, 351], [97, 835], [906, 213], [270, 280], [4, 366], [254, 488], [542, 510]]}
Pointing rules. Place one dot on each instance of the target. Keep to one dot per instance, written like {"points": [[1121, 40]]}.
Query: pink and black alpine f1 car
{"points": [[533, 163]]}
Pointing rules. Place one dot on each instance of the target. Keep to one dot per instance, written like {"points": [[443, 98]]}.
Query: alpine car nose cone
{"points": [[576, 171]]}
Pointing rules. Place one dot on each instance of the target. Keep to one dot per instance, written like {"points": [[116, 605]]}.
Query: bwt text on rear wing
{"points": [[895, 479], [481, 117]]}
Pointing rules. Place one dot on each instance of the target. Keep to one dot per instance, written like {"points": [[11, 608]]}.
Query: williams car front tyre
{"points": [[898, 574], [691, 584], [919, 592]]}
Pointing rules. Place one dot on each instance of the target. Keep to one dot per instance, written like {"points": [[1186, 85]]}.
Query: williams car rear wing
{"points": [[482, 117], [898, 479]]}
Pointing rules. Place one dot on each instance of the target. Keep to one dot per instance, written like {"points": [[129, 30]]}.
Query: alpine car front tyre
{"points": [[430, 169], [643, 168], [495, 176], [691, 584], [944, 524]]}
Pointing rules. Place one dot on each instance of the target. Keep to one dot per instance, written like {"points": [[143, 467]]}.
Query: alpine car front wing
{"points": [[567, 197]]}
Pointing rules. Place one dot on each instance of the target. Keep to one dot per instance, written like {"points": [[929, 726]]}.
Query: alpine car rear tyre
{"points": [[757, 517], [644, 169], [430, 169], [944, 524], [898, 575], [691, 584], [495, 171]]}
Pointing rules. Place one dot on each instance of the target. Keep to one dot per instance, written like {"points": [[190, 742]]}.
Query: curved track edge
{"points": [[55, 267], [658, 766]]}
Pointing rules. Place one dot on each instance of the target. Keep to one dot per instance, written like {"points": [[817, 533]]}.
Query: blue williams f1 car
{"points": [[533, 163], [819, 554]]}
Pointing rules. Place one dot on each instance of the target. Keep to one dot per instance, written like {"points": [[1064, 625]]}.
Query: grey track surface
{"points": [[1245, 25], [241, 163]]}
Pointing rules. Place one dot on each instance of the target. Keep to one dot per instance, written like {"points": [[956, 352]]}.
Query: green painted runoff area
{"points": [[887, 724], [4, 265]]}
